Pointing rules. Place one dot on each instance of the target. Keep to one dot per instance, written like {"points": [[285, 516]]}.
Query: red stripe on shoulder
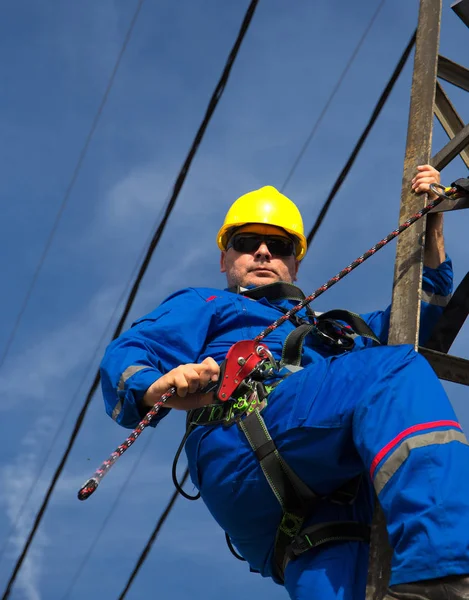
{"points": [[210, 298]]}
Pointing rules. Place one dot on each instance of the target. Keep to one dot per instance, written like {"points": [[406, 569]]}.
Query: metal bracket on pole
{"points": [[449, 119], [461, 8]]}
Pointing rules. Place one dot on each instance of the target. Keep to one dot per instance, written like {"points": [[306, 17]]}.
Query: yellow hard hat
{"points": [[268, 206]]}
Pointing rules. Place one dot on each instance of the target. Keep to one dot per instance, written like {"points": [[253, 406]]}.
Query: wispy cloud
{"points": [[17, 480], [53, 357]]}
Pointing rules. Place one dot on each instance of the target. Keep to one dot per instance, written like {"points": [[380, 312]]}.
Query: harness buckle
{"points": [[335, 335], [300, 544]]}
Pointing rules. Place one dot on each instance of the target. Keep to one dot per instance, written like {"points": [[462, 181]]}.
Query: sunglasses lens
{"points": [[246, 243], [280, 246], [250, 243]]}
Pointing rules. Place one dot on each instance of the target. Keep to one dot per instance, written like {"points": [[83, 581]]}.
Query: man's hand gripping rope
{"points": [[244, 356]]}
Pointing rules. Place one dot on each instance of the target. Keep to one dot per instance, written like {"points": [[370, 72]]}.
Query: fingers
{"points": [[213, 368], [426, 175], [188, 379]]}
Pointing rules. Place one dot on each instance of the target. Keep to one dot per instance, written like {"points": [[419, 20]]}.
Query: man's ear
{"points": [[222, 262]]}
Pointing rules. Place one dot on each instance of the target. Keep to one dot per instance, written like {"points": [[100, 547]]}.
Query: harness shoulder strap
{"points": [[271, 291], [325, 323], [293, 345], [279, 290]]}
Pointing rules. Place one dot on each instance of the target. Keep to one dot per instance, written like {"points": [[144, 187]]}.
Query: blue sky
{"points": [[56, 61]]}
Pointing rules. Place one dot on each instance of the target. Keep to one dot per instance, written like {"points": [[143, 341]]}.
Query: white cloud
{"points": [[17, 480], [54, 356], [52, 361], [135, 198]]}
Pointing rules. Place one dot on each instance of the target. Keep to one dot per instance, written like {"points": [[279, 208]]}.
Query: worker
{"points": [[290, 465]]}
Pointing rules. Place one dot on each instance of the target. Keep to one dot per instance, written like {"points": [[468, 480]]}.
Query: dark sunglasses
{"points": [[247, 243]]}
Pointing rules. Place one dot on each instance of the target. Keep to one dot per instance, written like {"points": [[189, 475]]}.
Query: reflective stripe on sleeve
{"points": [[128, 373], [401, 453], [117, 410], [396, 459], [435, 299], [414, 429], [121, 386]]}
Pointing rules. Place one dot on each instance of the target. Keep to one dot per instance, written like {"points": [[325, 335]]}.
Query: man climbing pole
{"points": [[289, 464]]}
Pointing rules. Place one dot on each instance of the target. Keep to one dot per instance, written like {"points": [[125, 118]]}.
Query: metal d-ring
{"points": [[436, 189]]}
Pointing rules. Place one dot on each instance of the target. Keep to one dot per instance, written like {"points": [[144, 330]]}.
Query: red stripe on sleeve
{"points": [[406, 432]]}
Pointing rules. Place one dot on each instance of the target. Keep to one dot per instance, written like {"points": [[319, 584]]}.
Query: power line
{"points": [[376, 111], [112, 510], [152, 538], [336, 88], [72, 182], [217, 94]]}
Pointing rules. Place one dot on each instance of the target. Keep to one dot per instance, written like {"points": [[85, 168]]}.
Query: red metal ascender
{"points": [[242, 359]]}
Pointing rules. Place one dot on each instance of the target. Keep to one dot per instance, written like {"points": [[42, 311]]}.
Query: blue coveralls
{"points": [[377, 410]]}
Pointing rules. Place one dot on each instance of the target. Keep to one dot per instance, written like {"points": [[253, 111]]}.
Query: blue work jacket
{"points": [[195, 323]]}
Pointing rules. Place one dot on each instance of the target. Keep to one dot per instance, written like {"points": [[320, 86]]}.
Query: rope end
{"points": [[87, 489]]}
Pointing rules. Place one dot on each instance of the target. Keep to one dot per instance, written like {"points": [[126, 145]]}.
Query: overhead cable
{"points": [[336, 88], [376, 111], [152, 538], [217, 94], [71, 185]]}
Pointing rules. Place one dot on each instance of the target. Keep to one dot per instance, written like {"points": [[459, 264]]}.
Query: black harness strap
{"points": [[293, 345], [278, 290], [358, 325], [297, 500], [329, 331], [272, 291], [288, 488], [324, 533]]}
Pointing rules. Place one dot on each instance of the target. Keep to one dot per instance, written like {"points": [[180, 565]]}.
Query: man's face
{"points": [[260, 266]]}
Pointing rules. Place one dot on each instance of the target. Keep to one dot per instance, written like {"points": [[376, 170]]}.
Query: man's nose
{"points": [[263, 251]]}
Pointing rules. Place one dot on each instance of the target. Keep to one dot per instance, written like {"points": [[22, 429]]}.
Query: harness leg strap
{"points": [[297, 500]]}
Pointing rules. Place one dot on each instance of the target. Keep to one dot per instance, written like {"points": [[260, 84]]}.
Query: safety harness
{"points": [[247, 377]]}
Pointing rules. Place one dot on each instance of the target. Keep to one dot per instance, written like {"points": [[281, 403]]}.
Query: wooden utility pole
{"points": [[427, 99]]}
